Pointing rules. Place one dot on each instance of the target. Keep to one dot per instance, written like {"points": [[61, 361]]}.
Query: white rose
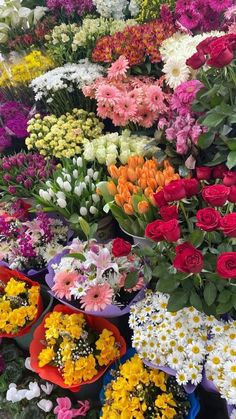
{"points": [[45, 405]]}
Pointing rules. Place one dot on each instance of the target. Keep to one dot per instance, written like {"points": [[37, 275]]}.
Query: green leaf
{"points": [[131, 280], [224, 296], [102, 186], [231, 143], [78, 256], [145, 251], [197, 237], [210, 293], [147, 273], [178, 300], [234, 301], [195, 300], [93, 230], [84, 226], [167, 285], [213, 119], [206, 139], [223, 308], [231, 160]]}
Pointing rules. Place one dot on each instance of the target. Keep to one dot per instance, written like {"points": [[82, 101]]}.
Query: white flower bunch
{"points": [[176, 340], [220, 365], [108, 149], [14, 15], [73, 191], [111, 8], [175, 67], [32, 392], [93, 29], [69, 77]]}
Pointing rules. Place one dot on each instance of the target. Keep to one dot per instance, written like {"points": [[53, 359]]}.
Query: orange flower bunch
{"points": [[134, 184]]}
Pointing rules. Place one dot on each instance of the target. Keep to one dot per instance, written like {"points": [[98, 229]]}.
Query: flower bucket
{"points": [[51, 373], [105, 230], [5, 276], [24, 341], [209, 386], [111, 311], [138, 241], [108, 377], [189, 388], [35, 275]]}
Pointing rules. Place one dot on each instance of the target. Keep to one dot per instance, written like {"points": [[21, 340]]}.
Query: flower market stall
{"points": [[118, 209]]}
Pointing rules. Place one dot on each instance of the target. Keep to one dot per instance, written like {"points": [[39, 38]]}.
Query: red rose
{"points": [[228, 224], [216, 195], [203, 47], [232, 194], [169, 212], [153, 231], [163, 230], [229, 179], [208, 219], [192, 187], [219, 171], [196, 60], [159, 198], [188, 259], [226, 265], [120, 248], [174, 191], [203, 172], [221, 53]]}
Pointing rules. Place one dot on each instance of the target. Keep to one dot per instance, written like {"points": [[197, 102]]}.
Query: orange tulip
{"points": [[140, 161], [132, 162], [126, 194], [136, 189], [119, 200], [152, 183], [160, 178], [131, 174], [142, 183], [111, 187], [138, 172], [123, 171], [113, 171], [143, 207], [148, 192], [128, 209]]}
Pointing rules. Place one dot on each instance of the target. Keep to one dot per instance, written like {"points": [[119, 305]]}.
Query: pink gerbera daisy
{"points": [[119, 68], [155, 99], [63, 282], [145, 117], [107, 94], [126, 107], [97, 297]]}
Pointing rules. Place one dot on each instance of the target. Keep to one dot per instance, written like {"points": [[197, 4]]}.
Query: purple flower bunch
{"points": [[201, 15], [71, 6], [21, 174], [180, 124], [13, 118]]}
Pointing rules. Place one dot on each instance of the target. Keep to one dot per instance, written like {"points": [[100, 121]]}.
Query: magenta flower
{"points": [[220, 5], [63, 409]]}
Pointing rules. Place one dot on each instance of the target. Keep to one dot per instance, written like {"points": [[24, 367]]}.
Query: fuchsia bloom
{"points": [[63, 409]]}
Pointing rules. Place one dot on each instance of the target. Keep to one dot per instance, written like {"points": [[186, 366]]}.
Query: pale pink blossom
{"points": [[97, 297], [119, 68]]}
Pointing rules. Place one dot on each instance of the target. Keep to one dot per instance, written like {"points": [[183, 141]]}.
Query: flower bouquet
{"points": [[101, 280], [21, 174], [73, 194], [133, 388], [195, 254], [173, 342], [129, 192], [20, 303], [28, 246], [71, 349]]}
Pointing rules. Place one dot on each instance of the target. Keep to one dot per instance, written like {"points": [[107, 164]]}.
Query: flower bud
{"points": [[83, 211], [61, 203], [67, 186], [95, 198], [93, 210], [79, 162]]}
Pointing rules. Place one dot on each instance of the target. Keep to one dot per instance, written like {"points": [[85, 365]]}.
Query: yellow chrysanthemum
{"points": [[14, 288]]}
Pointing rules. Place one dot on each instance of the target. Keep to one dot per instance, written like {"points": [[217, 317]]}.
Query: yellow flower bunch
{"points": [[140, 392], [68, 347], [150, 9], [18, 305], [63, 136], [24, 71]]}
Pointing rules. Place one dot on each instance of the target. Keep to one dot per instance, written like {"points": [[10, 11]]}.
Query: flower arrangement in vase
{"points": [[71, 349], [102, 280], [20, 303]]}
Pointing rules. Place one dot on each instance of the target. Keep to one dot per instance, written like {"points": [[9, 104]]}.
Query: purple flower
{"points": [[18, 126], [184, 96], [220, 5], [5, 140], [190, 19], [28, 183], [71, 6], [12, 190]]}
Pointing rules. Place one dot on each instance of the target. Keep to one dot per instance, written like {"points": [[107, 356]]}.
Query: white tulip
{"points": [[95, 198], [67, 186], [79, 162], [83, 211], [47, 388], [61, 203], [75, 173], [51, 192], [45, 195], [60, 182], [61, 195], [67, 177], [49, 183], [74, 160], [45, 405], [87, 179], [95, 176], [33, 392], [93, 210], [83, 185], [78, 190], [90, 172]]}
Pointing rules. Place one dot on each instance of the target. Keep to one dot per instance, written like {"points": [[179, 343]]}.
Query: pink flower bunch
{"points": [[180, 122], [201, 15], [64, 410], [125, 99]]}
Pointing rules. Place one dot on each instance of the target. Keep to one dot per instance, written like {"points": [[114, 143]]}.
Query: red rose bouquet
{"points": [[195, 252]]}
